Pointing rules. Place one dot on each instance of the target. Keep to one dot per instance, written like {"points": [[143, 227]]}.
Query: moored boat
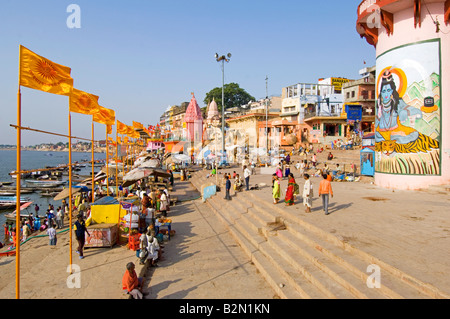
{"points": [[45, 183]]}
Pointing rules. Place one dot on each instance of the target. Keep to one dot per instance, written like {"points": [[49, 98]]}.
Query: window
{"points": [[353, 94], [365, 94]]}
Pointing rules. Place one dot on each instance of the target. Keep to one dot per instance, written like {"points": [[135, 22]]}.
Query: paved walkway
{"points": [[202, 261]]}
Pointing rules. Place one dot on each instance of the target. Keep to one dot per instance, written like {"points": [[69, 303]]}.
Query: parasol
{"points": [[65, 193], [181, 157]]}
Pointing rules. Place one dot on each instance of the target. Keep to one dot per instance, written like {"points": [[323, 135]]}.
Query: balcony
{"points": [[309, 115], [364, 81], [361, 98]]}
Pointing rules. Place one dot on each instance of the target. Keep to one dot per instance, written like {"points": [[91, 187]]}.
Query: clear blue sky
{"points": [[140, 56]]}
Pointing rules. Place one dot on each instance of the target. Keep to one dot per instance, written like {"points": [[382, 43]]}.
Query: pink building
{"points": [[412, 135], [194, 121]]}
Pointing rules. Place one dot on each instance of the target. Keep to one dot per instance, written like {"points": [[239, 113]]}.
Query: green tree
{"points": [[233, 94]]}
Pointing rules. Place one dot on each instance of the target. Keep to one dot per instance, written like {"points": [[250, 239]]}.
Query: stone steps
{"points": [[249, 244], [307, 261], [408, 286]]}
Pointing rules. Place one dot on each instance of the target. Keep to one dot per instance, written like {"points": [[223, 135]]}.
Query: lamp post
{"points": [[224, 59], [267, 111]]}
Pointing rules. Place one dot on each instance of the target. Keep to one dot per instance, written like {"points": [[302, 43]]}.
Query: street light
{"points": [[224, 59]]}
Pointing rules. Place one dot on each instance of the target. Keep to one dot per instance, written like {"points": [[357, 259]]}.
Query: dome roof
{"points": [[213, 111]]}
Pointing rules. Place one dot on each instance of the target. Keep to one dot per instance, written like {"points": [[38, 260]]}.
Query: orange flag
{"points": [[130, 131], [39, 73], [121, 128], [84, 103], [105, 116], [138, 126]]}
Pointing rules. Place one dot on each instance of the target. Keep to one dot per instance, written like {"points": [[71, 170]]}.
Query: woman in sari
{"points": [[289, 198], [276, 189]]}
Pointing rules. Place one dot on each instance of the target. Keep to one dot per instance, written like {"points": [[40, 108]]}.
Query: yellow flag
{"points": [[130, 130], [84, 103], [39, 73], [121, 128], [109, 129], [138, 126], [105, 116]]}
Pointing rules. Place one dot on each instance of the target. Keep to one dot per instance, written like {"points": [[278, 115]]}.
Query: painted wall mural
{"points": [[408, 117]]}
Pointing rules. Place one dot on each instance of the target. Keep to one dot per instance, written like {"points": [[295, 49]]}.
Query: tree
{"points": [[234, 96]]}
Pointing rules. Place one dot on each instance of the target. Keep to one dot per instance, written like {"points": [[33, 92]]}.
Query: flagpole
{"points": [[117, 163], [18, 168], [107, 159], [93, 173], [126, 158], [70, 191]]}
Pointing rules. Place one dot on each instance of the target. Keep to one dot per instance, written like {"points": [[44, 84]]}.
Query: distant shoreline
{"points": [[58, 151]]}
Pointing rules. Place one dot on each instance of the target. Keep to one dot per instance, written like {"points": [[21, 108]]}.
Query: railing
{"points": [[321, 114]]}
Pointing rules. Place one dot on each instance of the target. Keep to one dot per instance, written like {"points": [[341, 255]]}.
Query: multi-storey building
{"points": [[314, 109], [362, 93]]}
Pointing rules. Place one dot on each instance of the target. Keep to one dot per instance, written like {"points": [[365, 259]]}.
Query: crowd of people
{"points": [[282, 170]]}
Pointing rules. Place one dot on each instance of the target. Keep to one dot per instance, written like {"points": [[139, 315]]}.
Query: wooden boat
{"points": [[23, 190], [7, 194], [45, 183], [10, 202]]}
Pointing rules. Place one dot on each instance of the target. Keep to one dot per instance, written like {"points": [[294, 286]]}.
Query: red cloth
{"points": [[130, 281], [289, 198]]}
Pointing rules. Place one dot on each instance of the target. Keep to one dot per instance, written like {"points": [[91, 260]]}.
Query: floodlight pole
{"points": [[223, 58]]}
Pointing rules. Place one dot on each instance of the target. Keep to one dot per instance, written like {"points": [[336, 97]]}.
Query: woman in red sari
{"points": [[289, 198]]}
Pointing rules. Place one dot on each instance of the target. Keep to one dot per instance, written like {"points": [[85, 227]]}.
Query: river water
{"points": [[35, 160]]}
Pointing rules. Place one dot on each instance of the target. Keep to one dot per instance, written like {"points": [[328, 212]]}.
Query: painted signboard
{"points": [[408, 114]]}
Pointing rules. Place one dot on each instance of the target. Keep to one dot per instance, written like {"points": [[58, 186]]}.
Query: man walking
{"points": [[247, 174], [325, 191], [227, 187], [80, 229]]}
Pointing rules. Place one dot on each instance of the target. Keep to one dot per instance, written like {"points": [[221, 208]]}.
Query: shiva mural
{"points": [[408, 117]]}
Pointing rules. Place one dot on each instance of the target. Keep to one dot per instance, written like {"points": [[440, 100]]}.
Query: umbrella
{"points": [[259, 151], [140, 173], [207, 153], [137, 174], [65, 193], [151, 163], [181, 157], [111, 169]]}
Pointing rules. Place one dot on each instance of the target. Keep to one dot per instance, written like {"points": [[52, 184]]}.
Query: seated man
{"points": [[330, 156], [150, 249], [238, 182], [131, 283]]}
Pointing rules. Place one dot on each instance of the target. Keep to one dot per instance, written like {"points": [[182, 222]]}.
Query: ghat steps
{"points": [[300, 260]]}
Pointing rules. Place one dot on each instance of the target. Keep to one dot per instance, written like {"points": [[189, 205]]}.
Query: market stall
{"points": [[106, 222]]}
